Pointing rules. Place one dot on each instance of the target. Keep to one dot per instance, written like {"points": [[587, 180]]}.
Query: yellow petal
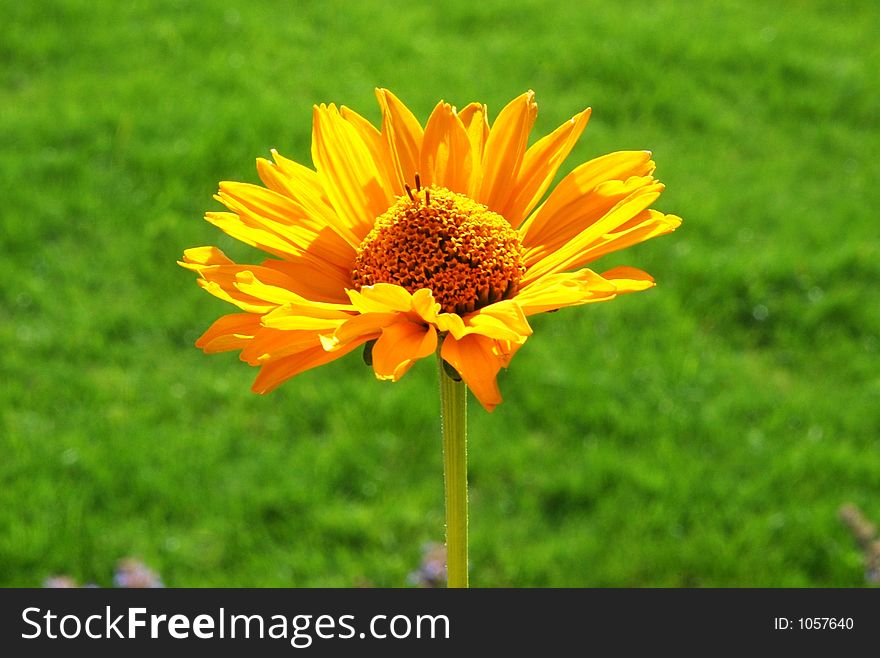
{"points": [[247, 283], [563, 289], [304, 181], [204, 256], [451, 323], [565, 210], [478, 361], [581, 211], [505, 149], [348, 174], [404, 136], [446, 151], [644, 226], [304, 317], [244, 302], [381, 298], [302, 186], [311, 238], [424, 306], [235, 227], [400, 346], [539, 167], [366, 327], [502, 320], [573, 252]]}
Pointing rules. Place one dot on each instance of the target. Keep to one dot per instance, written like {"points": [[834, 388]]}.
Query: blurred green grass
{"points": [[704, 433]]}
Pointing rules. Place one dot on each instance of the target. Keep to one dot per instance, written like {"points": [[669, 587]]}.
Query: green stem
{"points": [[453, 420]]}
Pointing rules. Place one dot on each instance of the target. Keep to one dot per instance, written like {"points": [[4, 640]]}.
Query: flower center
{"points": [[467, 255]]}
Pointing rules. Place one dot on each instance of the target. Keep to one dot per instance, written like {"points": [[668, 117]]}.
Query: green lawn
{"points": [[704, 433]]}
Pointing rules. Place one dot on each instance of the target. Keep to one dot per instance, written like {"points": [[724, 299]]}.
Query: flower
{"points": [[432, 570], [403, 239], [134, 574]]}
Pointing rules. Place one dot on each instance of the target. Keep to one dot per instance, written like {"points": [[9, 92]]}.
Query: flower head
{"points": [[405, 238]]}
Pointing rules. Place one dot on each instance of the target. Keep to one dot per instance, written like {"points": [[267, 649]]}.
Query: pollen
{"points": [[467, 255]]}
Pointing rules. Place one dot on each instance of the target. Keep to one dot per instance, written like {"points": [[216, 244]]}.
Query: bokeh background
{"points": [[704, 433]]}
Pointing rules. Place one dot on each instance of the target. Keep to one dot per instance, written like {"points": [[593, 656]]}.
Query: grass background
{"points": [[704, 433]]}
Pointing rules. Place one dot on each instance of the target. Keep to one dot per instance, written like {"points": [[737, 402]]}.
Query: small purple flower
{"points": [[59, 582], [134, 574], [432, 571]]}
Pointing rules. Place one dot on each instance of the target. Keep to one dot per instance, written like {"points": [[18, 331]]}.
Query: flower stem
{"points": [[453, 420]]}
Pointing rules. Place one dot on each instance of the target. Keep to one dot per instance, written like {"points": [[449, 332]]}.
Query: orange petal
{"points": [[334, 278], [350, 177], [273, 344], [404, 136], [221, 279], [446, 151], [628, 279], [539, 167], [312, 239], [505, 349], [379, 150], [246, 231], [277, 290], [477, 360], [579, 200], [505, 149], [366, 326], [277, 372], [229, 332], [312, 283], [400, 346], [474, 118]]}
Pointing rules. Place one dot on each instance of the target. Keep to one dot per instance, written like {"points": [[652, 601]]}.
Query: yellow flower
{"points": [[403, 238]]}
